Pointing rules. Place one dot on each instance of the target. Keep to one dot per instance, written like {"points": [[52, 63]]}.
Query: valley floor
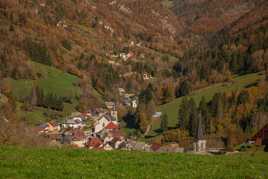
{"points": [[72, 163]]}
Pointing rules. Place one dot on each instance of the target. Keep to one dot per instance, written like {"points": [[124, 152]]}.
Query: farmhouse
{"points": [[94, 143], [48, 127], [261, 137], [76, 122]]}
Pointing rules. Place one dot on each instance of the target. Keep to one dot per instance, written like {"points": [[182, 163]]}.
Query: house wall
{"points": [[100, 125]]}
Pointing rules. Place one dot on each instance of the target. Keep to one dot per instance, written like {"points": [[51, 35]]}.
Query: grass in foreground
{"points": [[69, 163], [171, 109]]}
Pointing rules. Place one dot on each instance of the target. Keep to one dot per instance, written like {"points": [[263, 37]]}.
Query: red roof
{"points": [[78, 134], [111, 125], [94, 142]]}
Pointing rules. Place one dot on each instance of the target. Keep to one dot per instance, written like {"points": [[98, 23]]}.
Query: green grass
{"points": [[240, 82], [69, 163], [52, 80]]}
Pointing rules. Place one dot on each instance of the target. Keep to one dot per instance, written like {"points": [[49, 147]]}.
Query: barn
{"points": [[261, 137]]}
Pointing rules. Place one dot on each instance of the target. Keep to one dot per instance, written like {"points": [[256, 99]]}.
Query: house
{"points": [[101, 123], [147, 76], [111, 126], [120, 144], [107, 147], [75, 122], [123, 56], [127, 56], [138, 146], [94, 143], [78, 134], [157, 115], [42, 4], [171, 148], [110, 105], [134, 103], [261, 137], [121, 91], [48, 127], [66, 138], [62, 24], [130, 55]]}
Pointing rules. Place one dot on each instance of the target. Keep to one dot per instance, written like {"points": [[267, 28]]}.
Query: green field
{"points": [[69, 163], [52, 80], [240, 82]]}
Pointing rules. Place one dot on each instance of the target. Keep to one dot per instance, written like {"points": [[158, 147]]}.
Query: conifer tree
{"points": [[164, 122]]}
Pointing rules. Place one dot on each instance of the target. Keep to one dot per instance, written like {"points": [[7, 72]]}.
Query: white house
{"points": [[101, 124], [157, 115], [134, 103], [147, 76], [79, 143], [122, 91], [200, 146], [76, 122]]}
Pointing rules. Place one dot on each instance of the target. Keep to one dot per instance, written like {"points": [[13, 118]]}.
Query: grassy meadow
{"points": [[51, 80], [240, 82], [78, 163]]}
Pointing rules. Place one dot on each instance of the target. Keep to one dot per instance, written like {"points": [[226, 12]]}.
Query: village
{"points": [[100, 129], [96, 128]]}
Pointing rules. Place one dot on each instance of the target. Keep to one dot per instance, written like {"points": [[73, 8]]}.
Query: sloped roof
{"points": [[94, 142], [111, 125], [261, 132]]}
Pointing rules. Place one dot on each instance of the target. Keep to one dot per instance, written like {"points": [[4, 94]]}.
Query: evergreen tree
{"points": [[217, 106], [200, 127], [164, 122], [193, 117], [184, 114], [184, 89], [146, 95], [205, 115]]}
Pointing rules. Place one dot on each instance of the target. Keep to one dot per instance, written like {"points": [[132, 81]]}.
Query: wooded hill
{"points": [[82, 47]]}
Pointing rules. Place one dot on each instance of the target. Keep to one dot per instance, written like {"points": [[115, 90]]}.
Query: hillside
{"points": [[41, 163], [131, 59], [239, 83]]}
